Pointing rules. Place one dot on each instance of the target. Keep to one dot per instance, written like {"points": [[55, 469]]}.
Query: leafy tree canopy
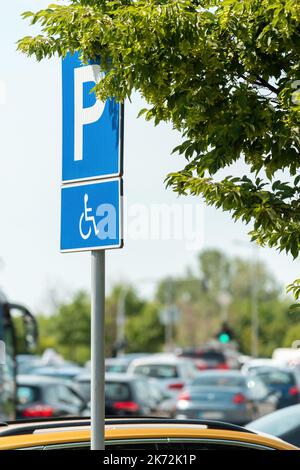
{"points": [[225, 73]]}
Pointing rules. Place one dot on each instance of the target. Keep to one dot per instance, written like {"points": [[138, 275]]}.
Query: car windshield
{"points": [[159, 371], [276, 377], [117, 367], [205, 355], [117, 391], [219, 381]]}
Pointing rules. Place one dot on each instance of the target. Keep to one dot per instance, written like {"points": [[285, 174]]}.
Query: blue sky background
{"points": [[30, 172]]}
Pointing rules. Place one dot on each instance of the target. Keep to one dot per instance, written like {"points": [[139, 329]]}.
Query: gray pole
{"points": [[97, 350]]}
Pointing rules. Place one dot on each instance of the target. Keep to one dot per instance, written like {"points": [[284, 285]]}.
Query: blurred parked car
{"points": [[135, 355], [26, 362], [120, 364], [287, 356], [232, 358], [284, 423], [253, 364], [243, 360], [82, 384], [65, 372], [225, 396], [44, 397], [125, 395], [171, 373], [160, 405], [206, 358], [117, 365], [283, 380]]}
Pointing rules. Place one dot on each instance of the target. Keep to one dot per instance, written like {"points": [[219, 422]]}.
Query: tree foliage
{"points": [[68, 329], [225, 73], [72, 327], [198, 298]]}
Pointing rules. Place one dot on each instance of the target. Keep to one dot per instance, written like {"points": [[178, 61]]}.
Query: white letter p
{"points": [[82, 116]]}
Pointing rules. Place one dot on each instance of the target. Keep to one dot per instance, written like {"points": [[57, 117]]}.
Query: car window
{"points": [[27, 394], [117, 391], [167, 445], [276, 377], [221, 380], [133, 446], [178, 446], [67, 395], [84, 388], [110, 446], [257, 390], [204, 445], [213, 445], [215, 356], [61, 393], [117, 367], [161, 371]]}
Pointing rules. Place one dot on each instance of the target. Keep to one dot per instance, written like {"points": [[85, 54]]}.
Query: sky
{"points": [[32, 269]]}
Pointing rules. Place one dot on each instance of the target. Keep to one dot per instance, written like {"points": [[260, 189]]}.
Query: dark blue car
{"points": [[284, 381]]}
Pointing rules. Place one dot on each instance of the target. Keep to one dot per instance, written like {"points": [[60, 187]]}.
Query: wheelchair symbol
{"points": [[88, 219]]}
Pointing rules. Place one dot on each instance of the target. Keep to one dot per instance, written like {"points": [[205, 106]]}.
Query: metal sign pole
{"points": [[97, 350]]}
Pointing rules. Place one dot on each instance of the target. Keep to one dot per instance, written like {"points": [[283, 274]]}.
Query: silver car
{"points": [[170, 373], [225, 396]]}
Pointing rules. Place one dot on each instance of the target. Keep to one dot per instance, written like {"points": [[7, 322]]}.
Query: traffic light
{"points": [[225, 335], [224, 338]]}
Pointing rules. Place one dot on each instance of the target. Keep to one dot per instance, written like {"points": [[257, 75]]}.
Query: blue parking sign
{"points": [[91, 128], [91, 216]]}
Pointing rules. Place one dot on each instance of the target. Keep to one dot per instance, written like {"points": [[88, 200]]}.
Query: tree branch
{"points": [[264, 83]]}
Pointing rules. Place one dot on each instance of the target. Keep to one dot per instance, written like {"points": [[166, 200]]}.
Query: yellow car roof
{"points": [[79, 434]]}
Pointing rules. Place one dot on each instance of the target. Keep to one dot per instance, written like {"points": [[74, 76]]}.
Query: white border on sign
{"points": [[98, 248]]}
